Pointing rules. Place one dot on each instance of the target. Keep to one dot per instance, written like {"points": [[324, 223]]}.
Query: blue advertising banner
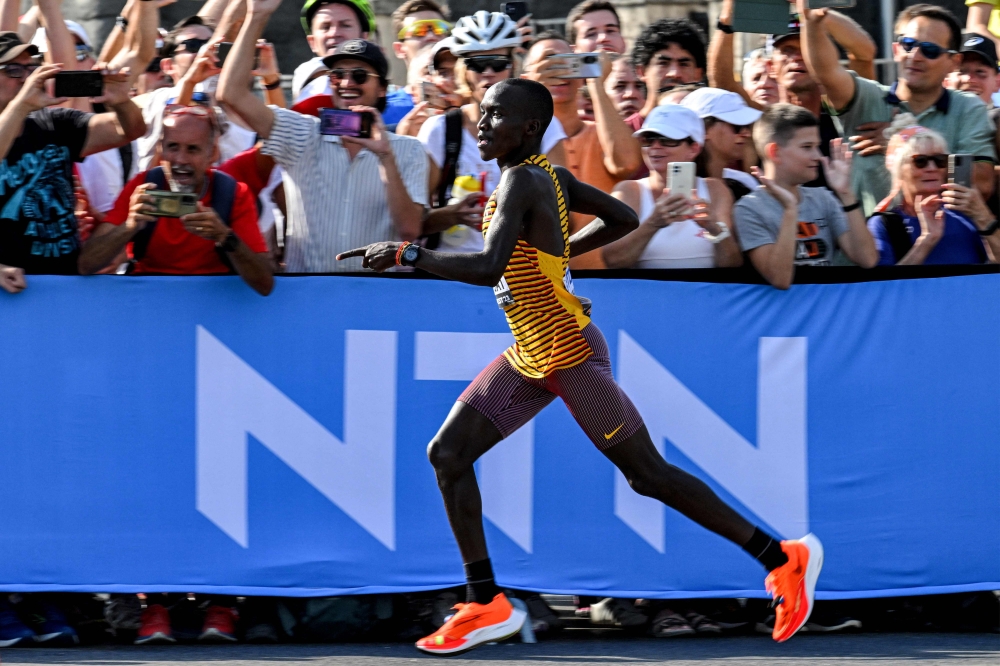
{"points": [[186, 434]]}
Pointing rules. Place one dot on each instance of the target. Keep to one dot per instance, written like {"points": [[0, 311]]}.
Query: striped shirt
{"points": [[535, 293], [335, 203]]}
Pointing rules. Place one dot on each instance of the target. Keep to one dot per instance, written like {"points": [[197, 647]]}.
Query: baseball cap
{"points": [[443, 45], [361, 7], [11, 46], [359, 49], [75, 28], [721, 104], [674, 121], [981, 46], [794, 30]]}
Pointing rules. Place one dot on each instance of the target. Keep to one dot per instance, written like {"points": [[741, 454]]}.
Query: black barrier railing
{"points": [[743, 275]]}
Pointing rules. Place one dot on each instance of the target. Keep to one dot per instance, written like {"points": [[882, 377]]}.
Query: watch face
{"points": [[410, 253]]}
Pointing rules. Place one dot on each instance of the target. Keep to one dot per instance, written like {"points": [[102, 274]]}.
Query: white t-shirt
{"points": [[678, 245], [102, 178], [462, 238], [741, 176], [316, 86]]}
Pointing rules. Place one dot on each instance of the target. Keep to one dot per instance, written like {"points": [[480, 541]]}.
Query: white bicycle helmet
{"points": [[484, 31]]}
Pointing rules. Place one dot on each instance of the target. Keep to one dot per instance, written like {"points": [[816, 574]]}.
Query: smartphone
{"points": [[767, 17], [338, 122], [79, 84], [222, 52], [515, 10], [960, 170], [173, 204], [681, 177], [836, 4], [431, 94], [580, 65]]}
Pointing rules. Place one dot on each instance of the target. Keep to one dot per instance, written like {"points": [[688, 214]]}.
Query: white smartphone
{"points": [[580, 65], [681, 177]]}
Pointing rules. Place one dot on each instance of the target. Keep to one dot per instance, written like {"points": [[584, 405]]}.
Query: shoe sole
{"points": [[158, 637], [214, 635], [813, 567], [826, 629], [493, 633], [14, 641]]}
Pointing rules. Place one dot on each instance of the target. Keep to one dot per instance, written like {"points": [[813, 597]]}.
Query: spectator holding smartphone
{"points": [[341, 191], [220, 237], [781, 224], [39, 145], [926, 220], [677, 229]]}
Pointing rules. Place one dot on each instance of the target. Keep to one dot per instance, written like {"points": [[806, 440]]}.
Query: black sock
{"points": [[766, 550], [480, 587]]}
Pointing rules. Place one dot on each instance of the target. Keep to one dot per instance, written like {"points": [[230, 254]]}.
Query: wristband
{"points": [[724, 27], [399, 252], [990, 230], [854, 206], [230, 244], [273, 86]]}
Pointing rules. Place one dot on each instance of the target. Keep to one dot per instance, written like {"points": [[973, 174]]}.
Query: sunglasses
{"points": [[202, 112], [83, 52], [921, 161], [650, 140], [929, 50], [358, 75], [16, 70], [480, 64], [423, 27], [191, 45]]}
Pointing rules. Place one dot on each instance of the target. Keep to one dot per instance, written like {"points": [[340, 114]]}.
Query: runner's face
{"points": [[598, 31], [501, 132]]}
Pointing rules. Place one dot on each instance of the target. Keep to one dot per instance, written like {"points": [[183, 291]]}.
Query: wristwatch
{"points": [[719, 237], [724, 27], [410, 255], [990, 230], [231, 243]]}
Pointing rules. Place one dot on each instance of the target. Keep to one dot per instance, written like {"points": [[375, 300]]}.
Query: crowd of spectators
{"points": [[800, 159]]}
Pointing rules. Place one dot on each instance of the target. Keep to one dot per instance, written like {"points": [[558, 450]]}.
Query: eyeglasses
{"points": [[929, 50], [15, 70], [358, 75], [480, 64], [921, 161], [650, 140], [191, 45], [419, 29], [83, 52]]}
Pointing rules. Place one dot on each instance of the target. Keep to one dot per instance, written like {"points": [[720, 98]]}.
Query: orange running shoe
{"points": [[793, 585], [473, 625]]}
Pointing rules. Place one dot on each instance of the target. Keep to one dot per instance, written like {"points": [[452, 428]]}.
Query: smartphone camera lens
{"points": [[589, 60]]}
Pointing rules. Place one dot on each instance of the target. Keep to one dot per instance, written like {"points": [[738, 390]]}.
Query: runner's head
{"points": [[516, 113]]}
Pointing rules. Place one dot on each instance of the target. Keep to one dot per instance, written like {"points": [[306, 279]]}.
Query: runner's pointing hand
{"points": [[379, 257]]}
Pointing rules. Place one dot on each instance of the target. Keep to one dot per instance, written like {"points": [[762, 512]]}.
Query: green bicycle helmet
{"points": [[361, 7]]}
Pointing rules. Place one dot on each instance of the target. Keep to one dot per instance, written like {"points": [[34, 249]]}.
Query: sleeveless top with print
{"points": [[536, 295]]}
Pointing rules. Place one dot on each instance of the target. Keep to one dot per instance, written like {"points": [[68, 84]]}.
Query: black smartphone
{"points": [[222, 52], [960, 170], [515, 10], [339, 122], [768, 17], [79, 84]]}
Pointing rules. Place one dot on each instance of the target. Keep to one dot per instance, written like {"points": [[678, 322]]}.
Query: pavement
{"points": [[923, 649]]}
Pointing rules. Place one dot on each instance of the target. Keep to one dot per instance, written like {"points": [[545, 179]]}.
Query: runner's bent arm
{"points": [[614, 219]]}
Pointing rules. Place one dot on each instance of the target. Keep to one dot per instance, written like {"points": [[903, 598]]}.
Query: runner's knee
{"points": [[445, 459]]}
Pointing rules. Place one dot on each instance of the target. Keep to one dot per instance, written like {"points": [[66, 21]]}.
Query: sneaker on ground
{"points": [[828, 625], [616, 613], [52, 628], [668, 624], [12, 630], [155, 626], [544, 619], [220, 625], [702, 624], [793, 585], [474, 624]]}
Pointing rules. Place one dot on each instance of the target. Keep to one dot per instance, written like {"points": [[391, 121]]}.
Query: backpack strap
{"points": [[125, 152], [899, 237], [452, 147], [140, 242], [223, 197]]}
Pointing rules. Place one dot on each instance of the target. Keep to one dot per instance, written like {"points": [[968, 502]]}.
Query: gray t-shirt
{"points": [[821, 222]]}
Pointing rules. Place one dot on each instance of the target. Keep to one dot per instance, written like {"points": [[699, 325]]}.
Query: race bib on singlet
{"points": [[502, 293]]}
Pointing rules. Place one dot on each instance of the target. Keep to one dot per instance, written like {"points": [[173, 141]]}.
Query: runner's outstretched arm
{"points": [[517, 193], [614, 219]]}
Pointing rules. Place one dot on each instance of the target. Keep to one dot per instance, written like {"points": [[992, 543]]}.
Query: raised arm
{"points": [[822, 58], [613, 218], [139, 43], [622, 154], [720, 59], [234, 83], [231, 21], [855, 40], [213, 10], [62, 46], [122, 124], [10, 12], [115, 40]]}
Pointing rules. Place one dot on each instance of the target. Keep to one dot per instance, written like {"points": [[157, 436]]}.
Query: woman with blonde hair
{"points": [[926, 220]]}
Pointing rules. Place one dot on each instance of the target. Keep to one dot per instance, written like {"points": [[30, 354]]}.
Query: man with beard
{"points": [[221, 237]]}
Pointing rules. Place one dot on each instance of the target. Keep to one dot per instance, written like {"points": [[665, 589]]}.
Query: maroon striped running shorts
{"points": [[509, 399]]}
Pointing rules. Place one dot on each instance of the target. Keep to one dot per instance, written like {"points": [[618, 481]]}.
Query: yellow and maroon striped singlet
{"points": [[535, 293]]}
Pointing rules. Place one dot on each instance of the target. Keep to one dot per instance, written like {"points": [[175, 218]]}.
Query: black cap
{"points": [[359, 49], [981, 46], [11, 46], [794, 30]]}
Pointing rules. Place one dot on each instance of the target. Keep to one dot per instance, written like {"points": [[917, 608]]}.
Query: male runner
{"points": [[557, 351]]}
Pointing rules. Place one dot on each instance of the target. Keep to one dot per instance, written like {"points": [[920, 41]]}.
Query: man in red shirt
{"points": [[201, 243]]}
